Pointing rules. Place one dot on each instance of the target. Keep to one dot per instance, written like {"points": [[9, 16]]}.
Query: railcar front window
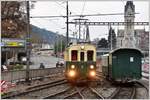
{"points": [[74, 54], [82, 56], [90, 55]]}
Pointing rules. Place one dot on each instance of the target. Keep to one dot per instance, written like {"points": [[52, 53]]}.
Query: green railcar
{"points": [[80, 62], [122, 64]]}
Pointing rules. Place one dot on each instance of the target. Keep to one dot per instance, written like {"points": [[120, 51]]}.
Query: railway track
{"points": [[84, 93], [60, 94], [98, 95], [124, 93], [144, 86], [76, 94], [38, 88]]}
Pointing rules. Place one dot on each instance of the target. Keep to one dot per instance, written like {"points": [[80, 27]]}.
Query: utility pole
{"points": [[79, 31], [110, 38], [61, 43], [28, 44], [67, 19], [57, 45]]}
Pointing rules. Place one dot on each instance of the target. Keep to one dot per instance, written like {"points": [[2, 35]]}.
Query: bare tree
{"points": [[14, 19]]}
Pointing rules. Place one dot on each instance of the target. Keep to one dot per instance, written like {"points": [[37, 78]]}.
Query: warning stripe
{"points": [[3, 82]]}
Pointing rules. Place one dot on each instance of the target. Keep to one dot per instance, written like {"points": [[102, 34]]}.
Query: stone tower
{"points": [[129, 15]]}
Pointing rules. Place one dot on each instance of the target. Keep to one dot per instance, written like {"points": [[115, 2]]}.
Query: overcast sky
{"points": [[45, 8]]}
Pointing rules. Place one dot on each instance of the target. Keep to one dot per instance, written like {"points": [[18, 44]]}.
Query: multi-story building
{"points": [[141, 39], [144, 41]]}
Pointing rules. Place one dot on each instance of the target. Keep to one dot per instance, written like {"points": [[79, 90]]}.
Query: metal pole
{"points": [[67, 18], [57, 47], [28, 43], [6, 59], [61, 44], [109, 27], [79, 30]]}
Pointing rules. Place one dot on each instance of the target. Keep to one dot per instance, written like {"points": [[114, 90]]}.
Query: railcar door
{"points": [[82, 64]]}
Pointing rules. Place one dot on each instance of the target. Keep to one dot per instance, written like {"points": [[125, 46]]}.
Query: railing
{"points": [[21, 74]]}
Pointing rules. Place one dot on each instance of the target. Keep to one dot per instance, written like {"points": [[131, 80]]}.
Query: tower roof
{"points": [[87, 34], [129, 3]]}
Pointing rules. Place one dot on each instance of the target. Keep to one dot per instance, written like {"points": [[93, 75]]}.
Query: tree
{"points": [[59, 45], [14, 23], [103, 43], [112, 32]]}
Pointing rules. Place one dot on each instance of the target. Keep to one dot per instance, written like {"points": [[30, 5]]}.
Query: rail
{"points": [[34, 73], [34, 89]]}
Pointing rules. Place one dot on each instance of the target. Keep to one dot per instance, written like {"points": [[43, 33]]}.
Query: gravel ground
{"points": [[141, 93]]}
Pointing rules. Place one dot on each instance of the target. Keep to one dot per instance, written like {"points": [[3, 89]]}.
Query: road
{"points": [[48, 60]]}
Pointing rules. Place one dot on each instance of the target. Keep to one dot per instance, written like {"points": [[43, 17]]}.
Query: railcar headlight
{"points": [[82, 47], [92, 66], [72, 66], [92, 73], [72, 73]]}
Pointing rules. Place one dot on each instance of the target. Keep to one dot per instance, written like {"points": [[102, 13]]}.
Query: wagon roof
{"points": [[90, 45], [126, 49]]}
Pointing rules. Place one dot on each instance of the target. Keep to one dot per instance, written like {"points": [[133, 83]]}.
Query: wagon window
{"points": [[82, 56], [74, 54], [90, 55]]}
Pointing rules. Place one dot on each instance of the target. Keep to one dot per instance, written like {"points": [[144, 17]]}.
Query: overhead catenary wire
{"points": [[64, 7], [83, 7], [110, 14], [50, 20]]}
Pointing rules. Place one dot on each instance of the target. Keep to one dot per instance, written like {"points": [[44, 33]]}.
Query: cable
{"points": [[46, 19], [64, 7], [109, 14], [83, 7]]}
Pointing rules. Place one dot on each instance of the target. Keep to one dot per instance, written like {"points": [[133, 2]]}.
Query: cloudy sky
{"points": [[52, 8]]}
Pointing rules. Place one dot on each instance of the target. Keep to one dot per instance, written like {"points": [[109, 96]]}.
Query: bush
{"points": [[18, 66]]}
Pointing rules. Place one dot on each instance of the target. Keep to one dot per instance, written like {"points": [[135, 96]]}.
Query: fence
{"points": [[21, 74]]}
